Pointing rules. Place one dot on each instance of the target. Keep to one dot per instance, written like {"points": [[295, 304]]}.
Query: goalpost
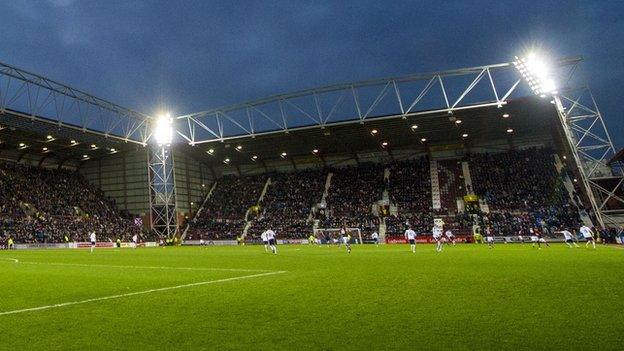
{"points": [[335, 233]]}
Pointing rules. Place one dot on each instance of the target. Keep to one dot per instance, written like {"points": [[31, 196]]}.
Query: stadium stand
{"points": [[224, 213], [409, 187], [287, 204], [522, 189], [43, 205], [353, 192]]}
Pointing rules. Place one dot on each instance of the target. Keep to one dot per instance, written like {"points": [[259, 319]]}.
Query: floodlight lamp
{"points": [[283, 154], [423, 139], [163, 131]]}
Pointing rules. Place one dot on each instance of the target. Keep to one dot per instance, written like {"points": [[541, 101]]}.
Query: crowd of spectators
{"points": [[287, 204], [522, 189], [352, 194], [45, 205], [223, 216], [409, 186]]}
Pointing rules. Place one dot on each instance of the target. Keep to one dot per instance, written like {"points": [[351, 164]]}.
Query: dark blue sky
{"points": [[195, 55]]}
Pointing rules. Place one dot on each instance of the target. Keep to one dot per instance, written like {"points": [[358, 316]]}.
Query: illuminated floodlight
{"points": [[464, 135], [374, 132], [44, 149], [85, 156], [505, 115], [163, 130], [226, 161], [93, 146], [315, 151], [384, 144], [283, 155], [49, 137], [414, 127], [509, 130], [22, 144], [537, 73], [73, 142], [254, 158], [458, 121], [210, 151], [423, 139], [239, 147]]}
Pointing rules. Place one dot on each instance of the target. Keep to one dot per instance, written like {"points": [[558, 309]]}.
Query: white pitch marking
{"points": [[64, 304], [140, 267], [10, 259]]}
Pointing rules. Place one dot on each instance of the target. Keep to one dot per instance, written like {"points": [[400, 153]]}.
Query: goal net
{"points": [[334, 234]]}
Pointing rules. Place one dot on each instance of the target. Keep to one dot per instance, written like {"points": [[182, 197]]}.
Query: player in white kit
{"points": [[489, 237], [346, 240], [534, 237], [135, 240], [93, 240], [450, 236], [410, 235], [271, 238], [265, 241], [437, 236], [568, 238], [588, 235], [375, 238]]}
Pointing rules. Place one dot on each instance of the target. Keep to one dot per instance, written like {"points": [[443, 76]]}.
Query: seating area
{"points": [[43, 205], [352, 194], [287, 204], [223, 216], [409, 188], [522, 189]]}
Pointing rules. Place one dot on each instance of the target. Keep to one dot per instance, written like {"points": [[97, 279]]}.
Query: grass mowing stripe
{"points": [[64, 304], [139, 267]]}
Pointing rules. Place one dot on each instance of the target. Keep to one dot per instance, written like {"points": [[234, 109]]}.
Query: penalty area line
{"points": [[143, 292]]}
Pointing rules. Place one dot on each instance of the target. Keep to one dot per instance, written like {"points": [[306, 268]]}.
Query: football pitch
{"points": [[309, 297]]}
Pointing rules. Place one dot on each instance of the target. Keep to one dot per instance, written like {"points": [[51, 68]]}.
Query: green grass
{"points": [[468, 297]]}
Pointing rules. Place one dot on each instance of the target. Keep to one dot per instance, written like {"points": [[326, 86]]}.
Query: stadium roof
{"points": [[529, 118], [49, 140], [336, 119]]}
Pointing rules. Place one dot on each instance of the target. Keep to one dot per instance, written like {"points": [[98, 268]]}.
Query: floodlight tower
{"points": [[163, 214], [584, 130]]}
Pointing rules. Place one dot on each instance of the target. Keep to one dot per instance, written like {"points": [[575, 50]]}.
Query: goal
{"points": [[335, 233]]}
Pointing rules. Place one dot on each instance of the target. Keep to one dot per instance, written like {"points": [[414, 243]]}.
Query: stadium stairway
{"points": [[449, 182], [569, 186], [435, 185], [199, 211]]}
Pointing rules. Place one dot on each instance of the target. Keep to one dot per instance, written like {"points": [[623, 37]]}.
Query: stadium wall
{"points": [[123, 177]]}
